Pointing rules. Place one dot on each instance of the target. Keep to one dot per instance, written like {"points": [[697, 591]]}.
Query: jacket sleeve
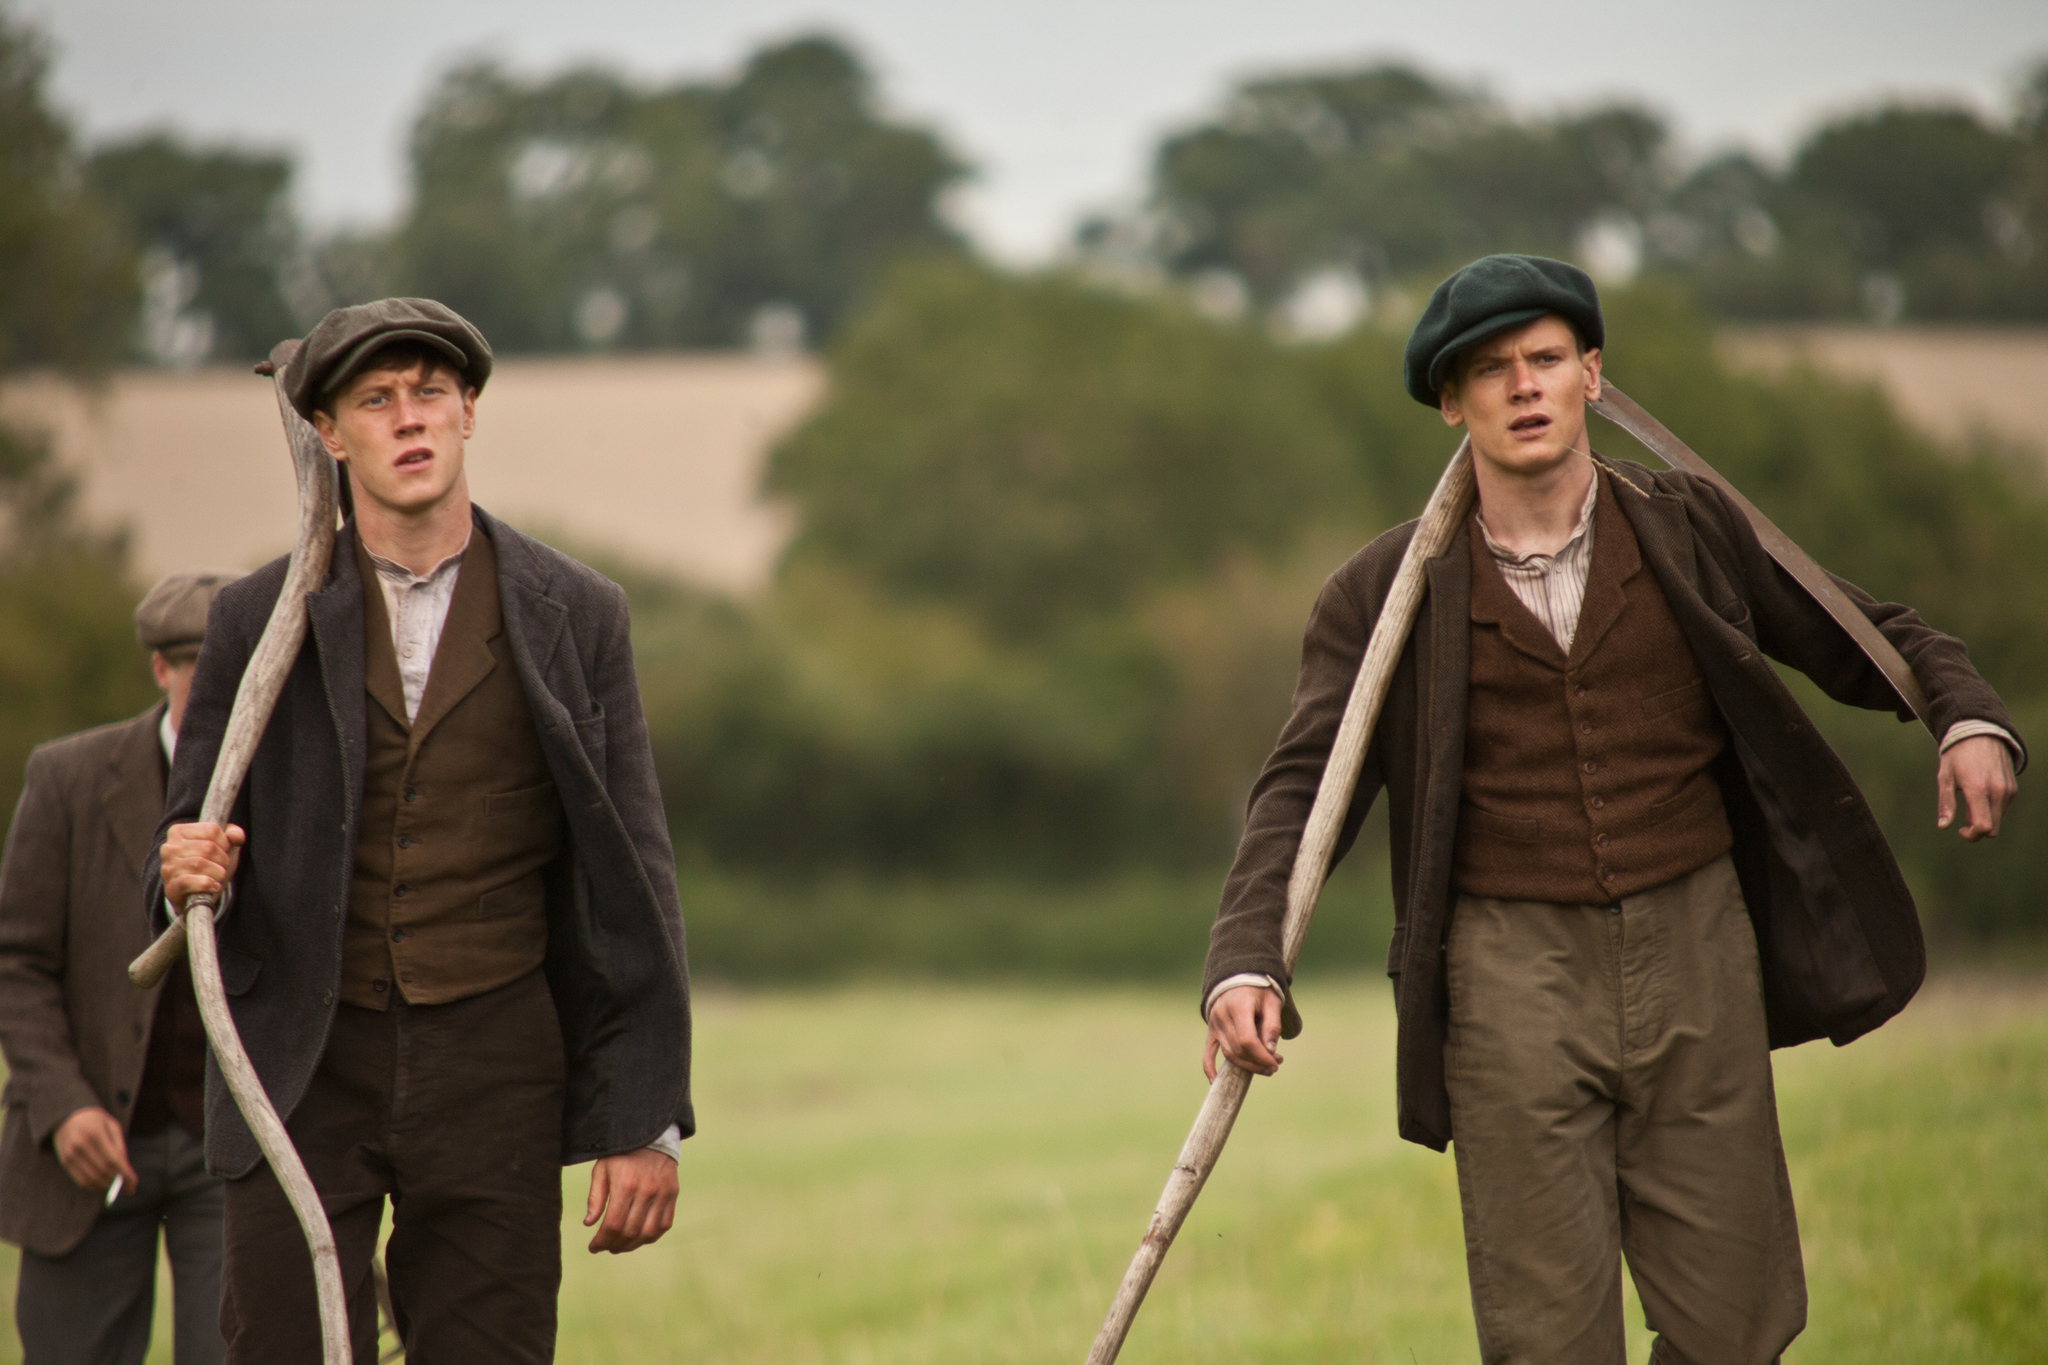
{"points": [[1246, 937], [636, 794], [1796, 630], [35, 904]]}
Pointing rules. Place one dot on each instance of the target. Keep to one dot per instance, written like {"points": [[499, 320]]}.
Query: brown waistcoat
{"points": [[459, 812], [1587, 777]]}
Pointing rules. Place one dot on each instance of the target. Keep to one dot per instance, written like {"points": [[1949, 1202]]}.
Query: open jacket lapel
{"points": [[132, 791], [335, 617]]}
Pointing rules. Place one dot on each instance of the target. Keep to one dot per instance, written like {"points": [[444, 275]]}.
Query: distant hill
{"points": [[655, 458], [1949, 380]]}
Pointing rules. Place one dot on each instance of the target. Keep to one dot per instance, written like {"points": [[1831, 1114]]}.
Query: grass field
{"points": [[921, 1175]]}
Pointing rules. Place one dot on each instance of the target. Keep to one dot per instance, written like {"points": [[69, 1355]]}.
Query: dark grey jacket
{"points": [[615, 959], [1837, 933]]}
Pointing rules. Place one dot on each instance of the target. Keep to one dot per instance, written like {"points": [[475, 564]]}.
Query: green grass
{"points": [[928, 1174]]}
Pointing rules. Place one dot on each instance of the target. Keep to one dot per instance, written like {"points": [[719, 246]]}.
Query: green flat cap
{"points": [[1492, 295], [335, 351], [172, 617]]}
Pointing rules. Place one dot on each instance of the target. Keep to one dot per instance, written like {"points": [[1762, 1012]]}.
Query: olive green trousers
{"points": [[1610, 1084]]}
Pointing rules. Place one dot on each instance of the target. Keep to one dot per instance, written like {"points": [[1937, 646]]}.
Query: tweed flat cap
{"points": [[334, 352], [172, 616], [1492, 295]]}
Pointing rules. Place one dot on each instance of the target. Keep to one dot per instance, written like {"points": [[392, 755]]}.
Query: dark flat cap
{"points": [[1492, 295], [172, 618], [335, 351]]}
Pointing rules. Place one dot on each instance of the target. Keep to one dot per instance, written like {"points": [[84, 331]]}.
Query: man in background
{"points": [[105, 1116]]}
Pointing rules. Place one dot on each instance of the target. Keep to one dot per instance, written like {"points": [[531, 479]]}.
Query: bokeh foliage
{"points": [[582, 210], [1903, 210]]}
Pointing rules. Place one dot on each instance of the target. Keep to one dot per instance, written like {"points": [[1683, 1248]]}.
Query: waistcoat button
{"points": [[1591, 767], [380, 985], [405, 840]]}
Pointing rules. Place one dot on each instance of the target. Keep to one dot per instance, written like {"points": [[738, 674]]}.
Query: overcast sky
{"points": [[1057, 102]]}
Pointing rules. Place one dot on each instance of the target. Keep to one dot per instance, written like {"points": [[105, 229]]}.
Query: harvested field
{"points": [[912, 1173], [657, 458], [1951, 381]]}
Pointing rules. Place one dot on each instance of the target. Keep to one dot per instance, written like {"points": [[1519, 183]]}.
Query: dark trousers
{"points": [[454, 1112], [1610, 1083], [92, 1305]]}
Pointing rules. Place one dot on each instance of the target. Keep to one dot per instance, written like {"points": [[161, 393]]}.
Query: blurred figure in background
{"points": [[105, 1085], [1626, 865]]}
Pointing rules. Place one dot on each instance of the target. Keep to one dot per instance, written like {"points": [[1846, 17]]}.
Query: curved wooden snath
{"points": [[193, 933], [1441, 518]]}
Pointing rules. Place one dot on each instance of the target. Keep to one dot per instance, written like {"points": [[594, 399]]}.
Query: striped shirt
{"points": [[1552, 586]]}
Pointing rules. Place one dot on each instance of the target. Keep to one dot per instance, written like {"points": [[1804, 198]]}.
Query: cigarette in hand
{"points": [[114, 1190]]}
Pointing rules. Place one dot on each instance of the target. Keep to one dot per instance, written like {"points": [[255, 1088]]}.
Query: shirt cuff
{"points": [[669, 1144], [1231, 983], [1970, 729]]}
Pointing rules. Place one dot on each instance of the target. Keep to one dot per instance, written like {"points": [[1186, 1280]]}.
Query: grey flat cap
{"points": [[172, 618], [335, 351]]}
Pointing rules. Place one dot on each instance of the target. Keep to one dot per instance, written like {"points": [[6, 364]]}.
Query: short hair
{"points": [[403, 355]]}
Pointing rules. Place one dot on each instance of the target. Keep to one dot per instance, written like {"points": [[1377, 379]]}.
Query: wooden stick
{"points": [[1618, 408], [271, 1137], [192, 932], [1441, 517]]}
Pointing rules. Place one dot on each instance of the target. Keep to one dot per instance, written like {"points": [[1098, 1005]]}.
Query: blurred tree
{"points": [[216, 229], [67, 281], [1035, 450], [1384, 173], [580, 211], [68, 657]]}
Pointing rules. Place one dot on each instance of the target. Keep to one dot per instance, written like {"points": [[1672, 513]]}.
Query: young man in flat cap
{"points": [[1625, 864], [105, 1113], [453, 946]]}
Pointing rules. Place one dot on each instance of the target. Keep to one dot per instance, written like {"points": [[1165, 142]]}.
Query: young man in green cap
{"points": [[1625, 864], [452, 945]]}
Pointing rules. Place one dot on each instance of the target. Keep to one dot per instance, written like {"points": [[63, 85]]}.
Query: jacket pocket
{"points": [[238, 971]]}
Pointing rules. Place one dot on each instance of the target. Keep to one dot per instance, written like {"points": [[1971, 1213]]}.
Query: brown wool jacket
{"points": [[76, 1033], [1836, 928]]}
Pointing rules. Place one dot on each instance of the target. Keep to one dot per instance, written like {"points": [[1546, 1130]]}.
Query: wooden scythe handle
{"points": [[1441, 518], [262, 682], [1618, 408]]}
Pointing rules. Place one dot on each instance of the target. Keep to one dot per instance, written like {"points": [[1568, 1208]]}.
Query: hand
{"points": [[1245, 1022], [200, 860], [636, 1194], [1981, 768], [90, 1147]]}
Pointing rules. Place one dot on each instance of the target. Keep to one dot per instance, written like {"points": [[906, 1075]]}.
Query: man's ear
{"points": [[1592, 363], [329, 433], [1447, 405]]}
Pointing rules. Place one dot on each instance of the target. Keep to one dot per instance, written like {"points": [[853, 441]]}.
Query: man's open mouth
{"points": [[1530, 423], [415, 457]]}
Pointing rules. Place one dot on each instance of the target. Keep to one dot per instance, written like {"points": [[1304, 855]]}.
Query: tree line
{"points": [[581, 210]]}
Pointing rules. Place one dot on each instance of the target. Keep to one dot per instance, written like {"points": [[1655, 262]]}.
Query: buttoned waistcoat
{"points": [[76, 1032], [1837, 932], [615, 958]]}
